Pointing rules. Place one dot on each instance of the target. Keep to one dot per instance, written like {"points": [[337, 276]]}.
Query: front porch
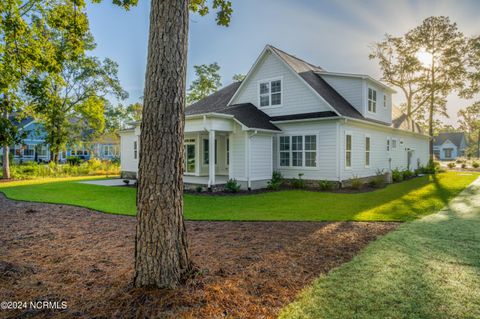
{"points": [[191, 182]]}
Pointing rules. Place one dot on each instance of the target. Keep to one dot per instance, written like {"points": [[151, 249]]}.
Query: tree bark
{"points": [[162, 256]]}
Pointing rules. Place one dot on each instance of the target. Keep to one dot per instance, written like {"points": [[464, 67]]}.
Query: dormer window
{"points": [[271, 93], [372, 100]]}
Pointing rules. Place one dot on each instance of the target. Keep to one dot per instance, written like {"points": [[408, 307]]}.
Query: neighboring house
{"points": [[35, 148], [449, 145], [296, 118]]}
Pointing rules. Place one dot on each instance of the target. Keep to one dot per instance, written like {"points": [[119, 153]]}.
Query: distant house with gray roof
{"points": [[449, 145]]}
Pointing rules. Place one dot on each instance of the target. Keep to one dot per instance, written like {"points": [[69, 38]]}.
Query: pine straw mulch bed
{"points": [[246, 270]]}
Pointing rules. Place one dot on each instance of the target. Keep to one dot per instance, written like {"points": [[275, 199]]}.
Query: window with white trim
{"points": [[367, 151], [285, 151], [372, 100], [29, 150], [109, 150], [135, 150], [271, 93], [348, 150], [42, 151], [228, 151], [310, 150], [394, 143], [298, 151], [206, 153]]}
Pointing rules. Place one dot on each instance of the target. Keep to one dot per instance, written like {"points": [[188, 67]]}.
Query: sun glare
{"points": [[424, 57]]}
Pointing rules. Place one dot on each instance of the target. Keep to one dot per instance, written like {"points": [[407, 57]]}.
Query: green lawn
{"points": [[398, 202], [428, 269]]}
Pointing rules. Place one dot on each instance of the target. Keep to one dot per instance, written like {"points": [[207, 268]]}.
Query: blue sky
{"points": [[333, 34]]}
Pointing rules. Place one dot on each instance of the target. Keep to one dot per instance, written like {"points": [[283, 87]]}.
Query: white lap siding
{"points": [[326, 133], [297, 97], [379, 156], [237, 167], [261, 157], [128, 163]]}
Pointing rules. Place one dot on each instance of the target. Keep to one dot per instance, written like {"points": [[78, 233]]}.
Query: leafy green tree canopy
{"points": [[207, 81]]}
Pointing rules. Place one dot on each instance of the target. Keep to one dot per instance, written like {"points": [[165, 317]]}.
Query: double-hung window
{"points": [[367, 151], [310, 150], [394, 143], [271, 93], [285, 151], [348, 150], [372, 100], [206, 152], [298, 151], [29, 150]]}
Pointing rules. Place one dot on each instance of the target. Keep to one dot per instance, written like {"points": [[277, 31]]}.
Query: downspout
{"points": [[249, 182]]}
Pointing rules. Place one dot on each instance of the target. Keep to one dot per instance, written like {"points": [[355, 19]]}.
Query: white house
{"points": [[449, 145], [296, 118]]}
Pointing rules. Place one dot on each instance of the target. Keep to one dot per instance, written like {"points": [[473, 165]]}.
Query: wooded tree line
{"points": [[47, 73], [427, 64]]}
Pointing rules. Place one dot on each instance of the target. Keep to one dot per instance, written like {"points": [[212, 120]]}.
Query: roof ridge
{"points": [[296, 58]]}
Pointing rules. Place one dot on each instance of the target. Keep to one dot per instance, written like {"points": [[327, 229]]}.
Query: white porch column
{"points": [[211, 158]]}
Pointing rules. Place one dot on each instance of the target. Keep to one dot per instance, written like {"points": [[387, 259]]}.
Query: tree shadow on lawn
{"points": [[246, 270], [426, 269]]}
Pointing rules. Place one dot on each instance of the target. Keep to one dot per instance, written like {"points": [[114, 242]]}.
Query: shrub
{"points": [[325, 185], [451, 165], [379, 179], [356, 182], [459, 161], [475, 165], [397, 175], [407, 174], [232, 185], [298, 182], [199, 189], [72, 160], [276, 182], [464, 165]]}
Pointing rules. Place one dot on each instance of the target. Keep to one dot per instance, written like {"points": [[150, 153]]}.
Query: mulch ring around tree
{"points": [[59, 253]]}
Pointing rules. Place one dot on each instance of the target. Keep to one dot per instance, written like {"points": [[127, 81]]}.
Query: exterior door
{"points": [[190, 158]]}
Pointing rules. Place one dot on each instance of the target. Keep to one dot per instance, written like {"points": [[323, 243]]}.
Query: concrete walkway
{"points": [[108, 182]]}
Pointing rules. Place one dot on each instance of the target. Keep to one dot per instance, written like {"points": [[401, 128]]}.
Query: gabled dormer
{"points": [[275, 85], [370, 97]]}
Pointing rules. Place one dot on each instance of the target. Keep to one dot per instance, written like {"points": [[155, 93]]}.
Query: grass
{"points": [[428, 269], [398, 202]]}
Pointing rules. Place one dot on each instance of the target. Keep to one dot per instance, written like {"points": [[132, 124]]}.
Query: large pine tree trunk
{"points": [[161, 252]]}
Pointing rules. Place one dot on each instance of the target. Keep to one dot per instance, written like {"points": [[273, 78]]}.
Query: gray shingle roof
{"points": [[401, 121], [303, 116], [246, 113], [252, 117], [454, 137]]}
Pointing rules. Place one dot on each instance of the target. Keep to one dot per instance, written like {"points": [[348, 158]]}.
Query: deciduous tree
{"points": [[469, 122], [207, 81]]}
